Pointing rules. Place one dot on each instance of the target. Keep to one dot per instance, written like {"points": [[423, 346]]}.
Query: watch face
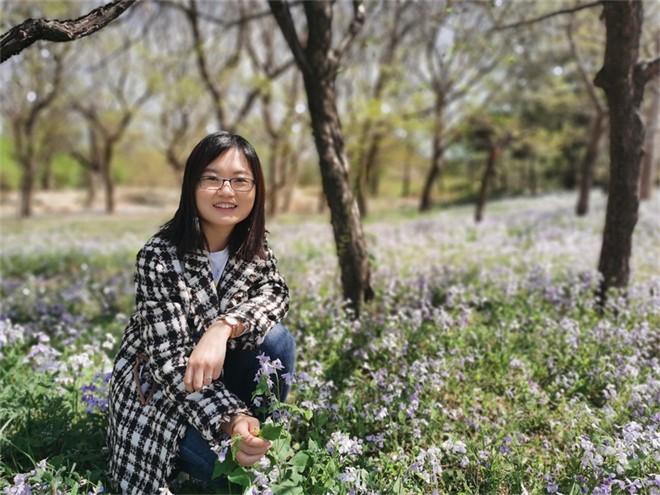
{"points": [[231, 320]]}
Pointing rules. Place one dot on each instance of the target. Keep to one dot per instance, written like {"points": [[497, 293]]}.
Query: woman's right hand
{"points": [[207, 358], [251, 447]]}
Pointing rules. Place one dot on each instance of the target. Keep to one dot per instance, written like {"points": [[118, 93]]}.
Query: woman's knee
{"points": [[279, 344]]}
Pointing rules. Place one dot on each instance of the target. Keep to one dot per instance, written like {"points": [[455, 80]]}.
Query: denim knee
{"points": [[279, 344]]}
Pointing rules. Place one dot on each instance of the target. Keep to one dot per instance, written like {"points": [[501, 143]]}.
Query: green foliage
{"points": [[46, 431], [483, 366]]}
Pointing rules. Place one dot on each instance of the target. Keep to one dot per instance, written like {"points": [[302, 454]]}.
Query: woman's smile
{"points": [[220, 207]]}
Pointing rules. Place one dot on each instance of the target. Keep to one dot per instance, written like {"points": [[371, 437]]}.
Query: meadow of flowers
{"points": [[482, 367]]}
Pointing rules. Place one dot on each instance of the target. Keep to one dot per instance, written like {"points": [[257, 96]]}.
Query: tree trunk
{"points": [[47, 178], [650, 161], [273, 175], [436, 160], [27, 187], [406, 179], [344, 213], [432, 176], [109, 195], [367, 175], [532, 182], [624, 90], [292, 159], [106, 176], [494, 153], [319, 62], [90, 187], [587, 169], [360, 188], [373, 169]]}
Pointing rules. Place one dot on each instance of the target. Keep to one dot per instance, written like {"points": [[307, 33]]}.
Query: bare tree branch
{"points": [[25, 34], [353, 28], [586, 79], [243, 19], [648, 70], [282, 14], [527, 22]]}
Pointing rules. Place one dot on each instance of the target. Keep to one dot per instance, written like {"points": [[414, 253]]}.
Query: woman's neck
{"points": [[217, 241]]}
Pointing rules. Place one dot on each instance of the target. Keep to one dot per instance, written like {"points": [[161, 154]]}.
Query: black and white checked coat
{"points": [[176, 301]]}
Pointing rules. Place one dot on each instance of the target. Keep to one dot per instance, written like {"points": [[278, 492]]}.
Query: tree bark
{"points": [[438, 151], [436, 163], [27, 188], [650, 160], [319, 62], [494, 153], [106, 172], [623, 80], [406, 177], [587, 169], [25, 34]]}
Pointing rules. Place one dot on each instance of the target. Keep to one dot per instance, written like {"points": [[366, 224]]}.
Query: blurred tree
{"points": [[650, 48], [458, 54], [25, 34], [25, 101], [598, 118], [284, 156], [651, 140], [216, 71], [111, 101], [386, 36], [281, 114], [623, 79], [220, 71], [180, 114], [491, 135], [319, 62]]}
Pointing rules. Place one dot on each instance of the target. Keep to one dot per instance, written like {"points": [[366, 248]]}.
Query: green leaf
{"points": [[226, 467], [241, 477], [301, 459], [271, 431], [286, 489]]}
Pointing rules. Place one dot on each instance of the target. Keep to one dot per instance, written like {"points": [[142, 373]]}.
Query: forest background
{"points": [[443, 105], [428, 93]]}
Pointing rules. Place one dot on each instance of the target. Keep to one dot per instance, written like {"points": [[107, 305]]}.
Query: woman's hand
{"points": [[207, 358], [251, 447]]}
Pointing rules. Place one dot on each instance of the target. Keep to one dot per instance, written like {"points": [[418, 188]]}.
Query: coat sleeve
{"points": [[263, 302], [161, 304]]}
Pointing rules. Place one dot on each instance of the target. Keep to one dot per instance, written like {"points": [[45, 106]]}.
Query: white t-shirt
{"points": [[218, 263]]}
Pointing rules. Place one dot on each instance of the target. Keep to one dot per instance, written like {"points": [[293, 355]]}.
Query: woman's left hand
{"points": [[207, 358]]}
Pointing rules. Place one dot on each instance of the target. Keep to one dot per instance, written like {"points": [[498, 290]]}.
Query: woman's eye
{"points": [[241, 181]]}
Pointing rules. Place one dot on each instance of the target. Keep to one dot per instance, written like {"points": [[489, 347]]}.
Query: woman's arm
{"points": [[160, 296], [266, 304]]}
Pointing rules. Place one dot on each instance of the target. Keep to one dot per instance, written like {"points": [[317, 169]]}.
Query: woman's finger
{"points": [[252, 450], [188, 378], [203, 377]]}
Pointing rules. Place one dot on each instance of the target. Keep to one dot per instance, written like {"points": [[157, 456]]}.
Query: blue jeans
{"points": [[195, 456]]}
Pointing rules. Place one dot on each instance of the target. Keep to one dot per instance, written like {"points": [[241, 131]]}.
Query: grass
{"points": [[482, 367]]}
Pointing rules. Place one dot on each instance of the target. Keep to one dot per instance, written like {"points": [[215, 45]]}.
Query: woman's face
{"points": [[221, 210]]}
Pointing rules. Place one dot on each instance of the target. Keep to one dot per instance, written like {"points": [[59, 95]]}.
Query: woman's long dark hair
{"points": [[184, 230]]}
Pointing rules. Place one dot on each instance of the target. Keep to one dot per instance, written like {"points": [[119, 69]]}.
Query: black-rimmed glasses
{"points": [[238, 184]]}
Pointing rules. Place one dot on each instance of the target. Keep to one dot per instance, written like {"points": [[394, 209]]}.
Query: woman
{"points": [[209, 299]]}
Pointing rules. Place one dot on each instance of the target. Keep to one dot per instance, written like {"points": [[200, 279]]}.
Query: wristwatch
{"points": [[236, 326]]}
